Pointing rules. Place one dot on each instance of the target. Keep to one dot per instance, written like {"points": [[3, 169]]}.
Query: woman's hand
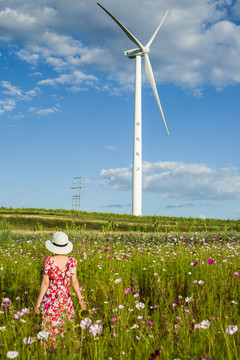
{"points": [[82, 304], [37, 309]]}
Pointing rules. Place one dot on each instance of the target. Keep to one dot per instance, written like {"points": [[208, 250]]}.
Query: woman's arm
{"points": [[75, 285], [43, 289]]}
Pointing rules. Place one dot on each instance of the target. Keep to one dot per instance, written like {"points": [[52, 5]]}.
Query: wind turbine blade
{"points": [[149, 72], [155, 33], [127, 32]]}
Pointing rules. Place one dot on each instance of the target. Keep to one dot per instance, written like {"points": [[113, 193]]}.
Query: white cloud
{"points": [[198, 44], [183, 206], [17, 94], [31, 93], [117, 178], [111, 147], [179, 180], [10, 90], [119, 206], [18, 116], [43, 112], [77, 77], [28, 56], [77, 88], [15, 91], [7, 105], [16, 23]]}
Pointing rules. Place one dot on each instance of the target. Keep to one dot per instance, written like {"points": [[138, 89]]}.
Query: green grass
{"points": [[53, 220], [158, 268]]}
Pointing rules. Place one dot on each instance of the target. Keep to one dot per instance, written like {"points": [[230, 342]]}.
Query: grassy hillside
{"points": [[60, 219]]}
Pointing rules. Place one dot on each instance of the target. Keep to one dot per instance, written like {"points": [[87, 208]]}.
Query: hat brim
{"points": [[60, 250]]}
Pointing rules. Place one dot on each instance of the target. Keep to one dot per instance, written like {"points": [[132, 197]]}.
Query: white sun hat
{"points": [[59, 244]]}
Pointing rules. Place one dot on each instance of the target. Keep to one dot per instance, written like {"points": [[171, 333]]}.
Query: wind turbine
{"points": [[137, 53]]}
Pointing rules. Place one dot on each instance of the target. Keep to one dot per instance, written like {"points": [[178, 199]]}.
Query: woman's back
{"points": [[61, 261]]}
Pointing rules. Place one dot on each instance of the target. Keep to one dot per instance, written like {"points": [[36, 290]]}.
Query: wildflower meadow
{"points": [[149, 296]]}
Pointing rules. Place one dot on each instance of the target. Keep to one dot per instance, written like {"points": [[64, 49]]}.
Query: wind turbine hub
{"points": [[132, 53]]}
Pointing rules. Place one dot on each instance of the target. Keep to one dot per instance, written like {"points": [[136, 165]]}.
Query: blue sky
{"points": [[67, 106]]}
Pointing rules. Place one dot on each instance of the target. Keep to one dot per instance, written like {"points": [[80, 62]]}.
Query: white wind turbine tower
{"points": [[137, 53]]}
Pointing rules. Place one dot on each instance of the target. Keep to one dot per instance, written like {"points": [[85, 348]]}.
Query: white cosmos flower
{"points": [[28, 340], [85, 323], [231, 329], [205, 324], [117, 281], [135, 326], [140, 305], [12, 354], [96, 329], [201, 282], [42, 335], [188, 299]]}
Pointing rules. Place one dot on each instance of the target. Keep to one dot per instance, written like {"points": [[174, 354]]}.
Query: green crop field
{"points": [[169, 294], [53, 220]]}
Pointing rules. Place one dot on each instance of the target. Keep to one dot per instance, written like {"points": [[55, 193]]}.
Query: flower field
{"points": [[149, 296]]}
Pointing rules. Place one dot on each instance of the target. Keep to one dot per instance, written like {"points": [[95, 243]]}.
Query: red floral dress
{"points": [[57, 302]]}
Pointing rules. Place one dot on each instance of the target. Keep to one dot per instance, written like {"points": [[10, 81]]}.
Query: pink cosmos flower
{"points": [[195, 263], [176, 303], [25, 311], [6, 302], [198, 326], [114, 319], [210, 261], [46, 306], [128, 291], [149, 324]]}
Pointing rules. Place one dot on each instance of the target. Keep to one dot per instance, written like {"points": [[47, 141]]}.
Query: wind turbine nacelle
{"points": [[132, 53]]}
